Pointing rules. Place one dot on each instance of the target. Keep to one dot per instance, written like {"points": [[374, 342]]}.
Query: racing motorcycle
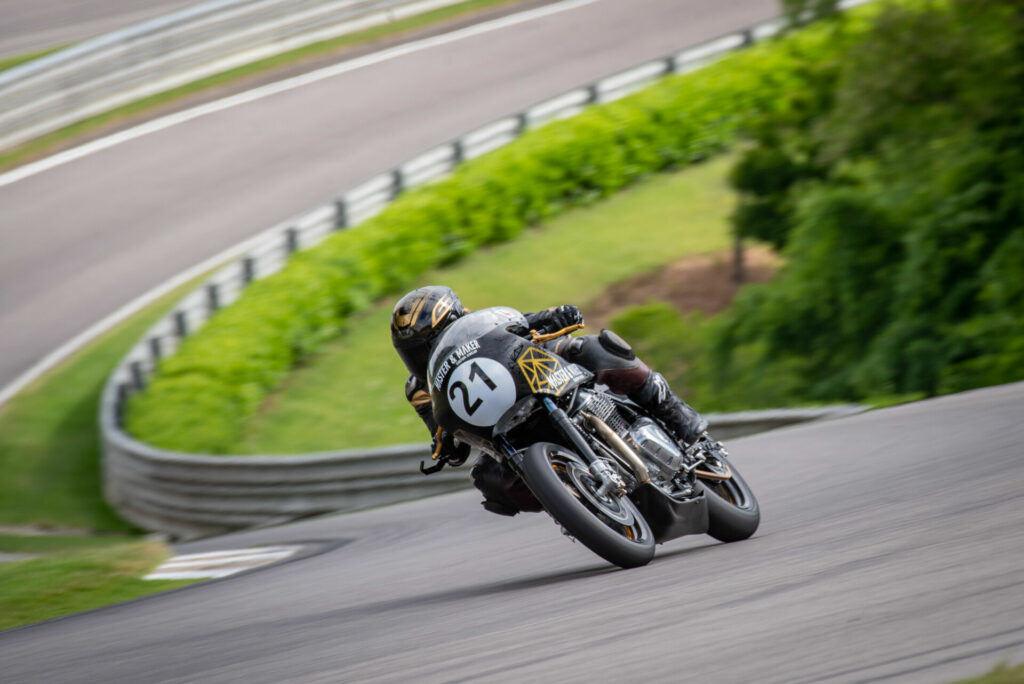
{"points": [[605, 470]]}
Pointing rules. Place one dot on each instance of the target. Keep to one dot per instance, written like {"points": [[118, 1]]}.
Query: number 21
{"points": [[474, 372]]}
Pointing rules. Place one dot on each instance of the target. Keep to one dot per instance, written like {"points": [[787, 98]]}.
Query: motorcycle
{"points": [[602, 467]]}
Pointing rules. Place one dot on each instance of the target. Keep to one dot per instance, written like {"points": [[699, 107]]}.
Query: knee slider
{"points": [[616, 345]]}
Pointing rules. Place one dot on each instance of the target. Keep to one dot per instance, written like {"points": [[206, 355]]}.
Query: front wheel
{"points": [[733, 513], [609, 525]]}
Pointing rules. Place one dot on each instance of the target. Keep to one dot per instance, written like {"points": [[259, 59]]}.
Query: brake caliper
{"points": [[609, 477]]}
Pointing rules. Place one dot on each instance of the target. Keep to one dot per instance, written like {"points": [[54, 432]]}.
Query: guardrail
{"points": [[189, 495], [156, 55], [272, 249]]}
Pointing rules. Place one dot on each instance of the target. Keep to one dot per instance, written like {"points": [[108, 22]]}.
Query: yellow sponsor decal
{"points": [[441, 309], [405, 320], [543, 372]]}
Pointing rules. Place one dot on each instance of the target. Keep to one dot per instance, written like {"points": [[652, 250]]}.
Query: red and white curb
{"points": [[215, 564]]}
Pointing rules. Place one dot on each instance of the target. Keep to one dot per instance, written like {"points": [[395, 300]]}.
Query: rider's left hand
{"points": [[565, 316], [456, 454]]}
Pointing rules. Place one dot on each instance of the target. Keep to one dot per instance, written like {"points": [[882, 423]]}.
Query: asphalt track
{"points": [[30, 25], [890, 549], [84, 238]]}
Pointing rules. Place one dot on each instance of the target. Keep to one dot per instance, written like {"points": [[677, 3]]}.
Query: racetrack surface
{"points": [[30, 25], [890, 550], [84, 238]]}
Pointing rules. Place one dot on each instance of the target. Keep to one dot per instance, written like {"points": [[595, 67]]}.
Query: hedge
{"points": [[200, 399]]}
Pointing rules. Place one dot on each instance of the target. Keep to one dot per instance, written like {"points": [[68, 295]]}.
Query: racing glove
{"points": [[554, 319], [442, 444]]}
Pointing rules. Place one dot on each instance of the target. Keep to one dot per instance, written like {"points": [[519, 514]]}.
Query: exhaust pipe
{"points": [[620, 446]]}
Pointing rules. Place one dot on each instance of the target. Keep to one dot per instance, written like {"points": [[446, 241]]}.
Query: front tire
{"points": [[611, 526], [733, 513]]}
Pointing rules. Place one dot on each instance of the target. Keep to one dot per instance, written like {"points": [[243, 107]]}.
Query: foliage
{"points": [[349, 394], [202, 397], [799, 12], [765, 174], [678, 346], [900, 206]]}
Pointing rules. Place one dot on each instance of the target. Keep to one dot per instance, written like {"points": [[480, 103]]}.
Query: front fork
{"points": [[600, 469]]}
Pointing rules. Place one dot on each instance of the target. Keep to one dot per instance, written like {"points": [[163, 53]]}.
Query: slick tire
{"points": [[733, 513], [556, 475]]}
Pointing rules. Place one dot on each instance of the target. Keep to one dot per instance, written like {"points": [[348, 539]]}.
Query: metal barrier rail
{"points": [[368, 199], [190, 495], [156, 55]]}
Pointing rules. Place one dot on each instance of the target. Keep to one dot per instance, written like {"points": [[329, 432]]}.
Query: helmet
{"points": [[418, 320]]}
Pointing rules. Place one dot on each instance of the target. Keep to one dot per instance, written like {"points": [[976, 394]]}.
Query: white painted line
{"points": [[230, 560], [189, 575], [261, 92], [216, 564], [234, 552], [134, 306], [129, 309]]}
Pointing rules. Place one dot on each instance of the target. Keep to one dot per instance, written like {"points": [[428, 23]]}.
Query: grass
{"points": [[351, 394], [49, 437], [50, 465], [16, 60], [50, 142], [1002, 674], [50, 543], [72, 581], [49, 442]]}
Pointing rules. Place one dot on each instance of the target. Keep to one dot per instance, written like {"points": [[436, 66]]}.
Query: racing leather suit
{"points": [[613, 363]]}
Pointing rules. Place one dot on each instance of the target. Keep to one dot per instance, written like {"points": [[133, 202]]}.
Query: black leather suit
{"points": [[613, 363]]}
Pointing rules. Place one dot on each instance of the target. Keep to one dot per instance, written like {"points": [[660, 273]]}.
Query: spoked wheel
{"points": [[609, 525], [733, 513]]}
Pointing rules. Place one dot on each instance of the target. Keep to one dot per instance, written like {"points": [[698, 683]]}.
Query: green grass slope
{"points": [[351, 395]]}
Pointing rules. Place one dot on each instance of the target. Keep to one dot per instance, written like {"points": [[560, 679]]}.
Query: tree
{"points": [[800, 12]]}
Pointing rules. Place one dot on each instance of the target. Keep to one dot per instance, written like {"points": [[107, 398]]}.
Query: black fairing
{"points": [[668, 517], [482, 365]]}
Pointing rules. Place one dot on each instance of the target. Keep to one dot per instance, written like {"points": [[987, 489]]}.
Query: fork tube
{"points": [[562, 422]]}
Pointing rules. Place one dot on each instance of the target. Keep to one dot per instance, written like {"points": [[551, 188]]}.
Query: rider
{"points": [[422, 315]]}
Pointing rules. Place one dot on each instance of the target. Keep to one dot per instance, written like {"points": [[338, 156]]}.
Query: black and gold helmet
{"points": [[418, 320]]}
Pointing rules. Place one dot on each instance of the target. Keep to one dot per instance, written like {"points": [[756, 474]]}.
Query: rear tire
{"points": [[733, 513], [612, 528]]}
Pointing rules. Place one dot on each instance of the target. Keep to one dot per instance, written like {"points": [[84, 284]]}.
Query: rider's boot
{"points": [[684, 423], [504, 493]]}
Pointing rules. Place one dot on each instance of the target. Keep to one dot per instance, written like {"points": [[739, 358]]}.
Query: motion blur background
{"points": [[833, 215]]}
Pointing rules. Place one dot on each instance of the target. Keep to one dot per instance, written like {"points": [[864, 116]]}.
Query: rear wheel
{"points": [[733, 513], [609, 525]]}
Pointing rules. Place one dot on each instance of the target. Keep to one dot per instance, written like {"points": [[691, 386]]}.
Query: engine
{"points": [[644, 436], [651, 441]]}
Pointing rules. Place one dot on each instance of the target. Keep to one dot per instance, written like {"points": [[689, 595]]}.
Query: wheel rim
{"points": [[617, 512], [729, 490]]}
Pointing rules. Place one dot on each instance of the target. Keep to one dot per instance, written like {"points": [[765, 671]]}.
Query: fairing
{"points": [[481, 366]]}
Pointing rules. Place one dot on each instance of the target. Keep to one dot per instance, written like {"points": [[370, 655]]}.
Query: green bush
{"points": [[905, 245], [201, 397], [681, 347]]}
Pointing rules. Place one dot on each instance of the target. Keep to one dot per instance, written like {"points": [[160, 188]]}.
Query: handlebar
{"points": [[537, 337]]}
